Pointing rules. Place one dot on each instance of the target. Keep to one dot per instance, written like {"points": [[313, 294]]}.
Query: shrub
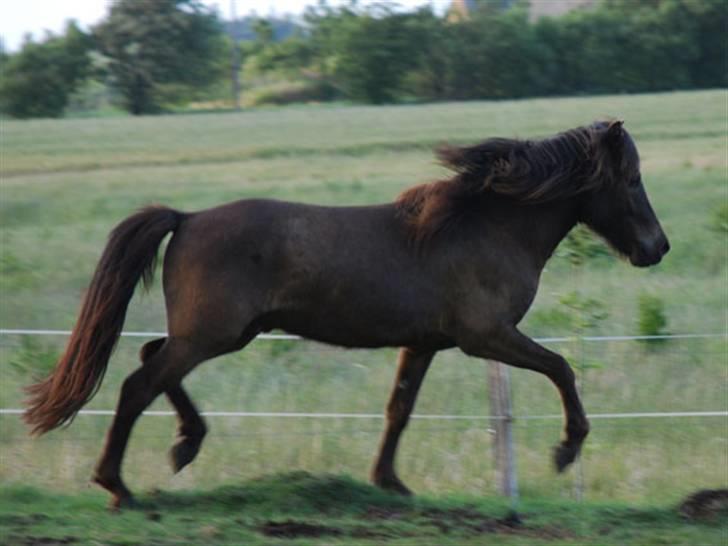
{"points": [[290, 92], [652, 320], [38, 81], [719, 219], [581, 245]]}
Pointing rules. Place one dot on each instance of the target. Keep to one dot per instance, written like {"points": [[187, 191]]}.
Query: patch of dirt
{"points": [[456, 521], [22, 520], [705, 505], [378, 513], [297, 529], [467, 521], [153, 516], [40, 541], [369, 533]]}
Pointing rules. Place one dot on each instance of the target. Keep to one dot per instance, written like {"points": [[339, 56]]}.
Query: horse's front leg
{"points": [[510, 346], [411, 371]]}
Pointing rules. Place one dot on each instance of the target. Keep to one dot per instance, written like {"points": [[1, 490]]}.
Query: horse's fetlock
{"points": [[193, 431], [577, 431]]}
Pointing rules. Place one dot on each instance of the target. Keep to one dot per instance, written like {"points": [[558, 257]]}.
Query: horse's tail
{"points": [[130, 255]]}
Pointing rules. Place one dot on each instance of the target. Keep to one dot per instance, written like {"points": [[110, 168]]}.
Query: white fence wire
{"points": [[316, 415]]}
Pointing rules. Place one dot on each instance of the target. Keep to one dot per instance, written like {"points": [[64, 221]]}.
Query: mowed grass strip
{"points": [[82, 144]]}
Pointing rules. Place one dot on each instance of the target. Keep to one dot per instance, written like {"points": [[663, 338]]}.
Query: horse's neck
{"points": [[540, 228]]}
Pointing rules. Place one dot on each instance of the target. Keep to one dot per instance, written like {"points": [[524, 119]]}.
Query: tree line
{"points": [[155, 55]]}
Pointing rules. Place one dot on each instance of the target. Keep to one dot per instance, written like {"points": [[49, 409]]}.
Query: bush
{"points": [[587, 313], [719, 220], [581, 245], [290, 92], [652, 320], [38, 81]]}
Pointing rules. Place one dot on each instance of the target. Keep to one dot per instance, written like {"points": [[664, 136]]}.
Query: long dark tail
{"points": [[130, 255]]}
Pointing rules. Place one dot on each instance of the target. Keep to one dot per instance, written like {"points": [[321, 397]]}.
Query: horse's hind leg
{"points": [[161, 368], [411, 371], [190, 431], [191, 428]]}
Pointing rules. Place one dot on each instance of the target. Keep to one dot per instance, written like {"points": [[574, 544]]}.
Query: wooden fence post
{"points": [[499, 386]]}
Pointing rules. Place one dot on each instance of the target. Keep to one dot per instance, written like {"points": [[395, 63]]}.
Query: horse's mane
{"points": [[529, 171]]}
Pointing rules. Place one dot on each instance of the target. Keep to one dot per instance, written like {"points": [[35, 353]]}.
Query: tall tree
{"points": [[38, 80], [158, 46]]}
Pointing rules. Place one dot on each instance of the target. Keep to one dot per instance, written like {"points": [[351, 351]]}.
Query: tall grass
{"points": [[65, 183]]}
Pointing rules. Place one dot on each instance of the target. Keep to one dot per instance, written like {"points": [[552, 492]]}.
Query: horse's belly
{"points": [[357, 327]]}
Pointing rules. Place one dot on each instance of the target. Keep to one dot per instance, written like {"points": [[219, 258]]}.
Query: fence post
{"points": [[499, 386]]}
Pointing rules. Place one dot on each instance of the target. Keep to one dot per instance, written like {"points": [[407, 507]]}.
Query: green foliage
{"points": [[652, 320], [719, 219], [366, 52], [581, 245], [33, 358], [375, 54], [160, 50], [588, 312], [38, 81], [289, 92]]}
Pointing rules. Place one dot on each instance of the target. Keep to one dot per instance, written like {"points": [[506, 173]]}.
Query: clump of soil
{"points": [[41, 541], [707, 504], [455, 521], [295, 529]]}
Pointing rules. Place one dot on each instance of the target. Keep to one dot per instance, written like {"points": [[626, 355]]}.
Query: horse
{"points": [[451, 263]]}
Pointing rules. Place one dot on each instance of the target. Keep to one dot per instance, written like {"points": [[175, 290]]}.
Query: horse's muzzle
{"points": [[650, 253]]}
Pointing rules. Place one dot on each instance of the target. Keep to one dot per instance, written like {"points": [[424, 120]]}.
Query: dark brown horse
{"points": [[451, 263]]}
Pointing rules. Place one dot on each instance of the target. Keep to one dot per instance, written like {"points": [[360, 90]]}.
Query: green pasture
{"points": [[298, 508], [66, 183]]}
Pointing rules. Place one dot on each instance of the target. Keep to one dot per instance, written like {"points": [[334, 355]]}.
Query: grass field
{"points": [[65, 183], [298, 509]]}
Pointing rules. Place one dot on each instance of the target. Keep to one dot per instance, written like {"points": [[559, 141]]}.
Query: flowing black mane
{"points": [[530, 171]]}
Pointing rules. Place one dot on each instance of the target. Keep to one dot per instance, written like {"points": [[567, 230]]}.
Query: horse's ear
{"points": [[614, 135]]}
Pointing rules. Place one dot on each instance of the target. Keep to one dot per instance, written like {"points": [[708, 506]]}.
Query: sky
{"points": [[18, 17]]}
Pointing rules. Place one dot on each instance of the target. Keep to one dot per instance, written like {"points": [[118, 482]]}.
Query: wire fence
{"points": [[443, 423], [324, 415]]}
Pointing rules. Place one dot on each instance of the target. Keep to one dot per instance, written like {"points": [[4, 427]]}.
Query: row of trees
{"points": [[166, 52], [377, 55]]}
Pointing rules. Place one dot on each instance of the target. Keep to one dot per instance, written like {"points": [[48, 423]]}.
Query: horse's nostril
{"points": [[665, 247]]}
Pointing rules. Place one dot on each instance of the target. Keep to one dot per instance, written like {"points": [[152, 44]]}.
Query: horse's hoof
{"points": [[393, 484], [564, 455], [121, 497], [181, 454], [119, 503]]}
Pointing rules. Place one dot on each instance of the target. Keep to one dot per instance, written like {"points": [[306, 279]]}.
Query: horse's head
{"points": [[619, 209]]}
